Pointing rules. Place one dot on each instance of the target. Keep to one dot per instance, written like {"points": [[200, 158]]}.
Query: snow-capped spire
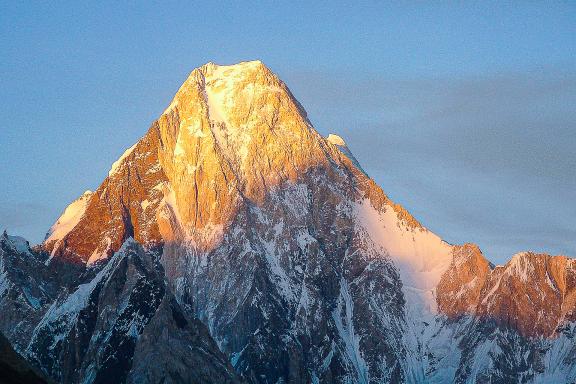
{"points": [[341, 145], [336, 140]]}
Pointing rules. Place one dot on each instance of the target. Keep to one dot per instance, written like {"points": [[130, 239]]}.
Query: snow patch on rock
{"points": [[69, 218], [20, 244], [341, 145], [336, 140]]}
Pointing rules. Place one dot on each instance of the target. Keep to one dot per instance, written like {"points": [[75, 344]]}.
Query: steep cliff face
{"points": [[287, 291], [458, 292], [297, 264], [93, 227]]}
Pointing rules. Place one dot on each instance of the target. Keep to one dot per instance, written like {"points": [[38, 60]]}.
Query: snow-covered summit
{"points": [[240, 66]]}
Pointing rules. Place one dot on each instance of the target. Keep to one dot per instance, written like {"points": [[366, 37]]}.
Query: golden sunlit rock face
{"points": [[532, 293], [124, 205], [230, 135], [459, 289]]}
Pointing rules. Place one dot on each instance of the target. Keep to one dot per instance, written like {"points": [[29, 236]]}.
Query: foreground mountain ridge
{"points": [[296, 263]]}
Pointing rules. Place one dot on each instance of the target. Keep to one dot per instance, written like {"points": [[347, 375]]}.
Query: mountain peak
{"points": [[231, 134], [233, 209]]}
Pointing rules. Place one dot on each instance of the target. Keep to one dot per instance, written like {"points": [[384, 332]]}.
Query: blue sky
{"points": [[464, 113]]}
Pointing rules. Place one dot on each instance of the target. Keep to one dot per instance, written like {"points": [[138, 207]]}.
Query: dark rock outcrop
{"points": [[14, 369]]}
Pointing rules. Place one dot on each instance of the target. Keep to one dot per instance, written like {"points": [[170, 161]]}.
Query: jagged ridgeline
{"points": [[233, 243]]}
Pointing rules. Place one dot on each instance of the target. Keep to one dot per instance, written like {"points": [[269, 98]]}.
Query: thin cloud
{"points": [[19, 214]]}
